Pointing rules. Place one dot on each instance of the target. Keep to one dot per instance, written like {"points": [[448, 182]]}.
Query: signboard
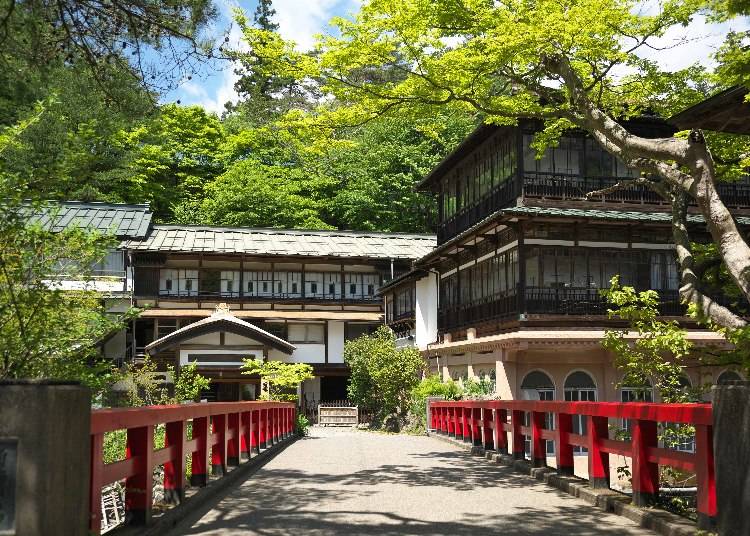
{"points": [[8, 464]]}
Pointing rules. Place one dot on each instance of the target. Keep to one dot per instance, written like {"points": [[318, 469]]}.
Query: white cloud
{"points": [[299, 21], [681, 47]]}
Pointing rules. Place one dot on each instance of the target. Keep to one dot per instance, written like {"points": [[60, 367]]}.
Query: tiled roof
{"points": [[284, 242], [614, 215], [125, 221]]}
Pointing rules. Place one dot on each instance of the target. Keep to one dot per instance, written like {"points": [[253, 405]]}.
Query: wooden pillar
{"points": [[139, 488], [219, 449], [563, 448], [598, 431], [645, 473], [174, 470], [199, 465]]}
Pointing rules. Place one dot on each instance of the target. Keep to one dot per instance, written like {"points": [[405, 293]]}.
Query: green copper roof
{"points": [[612, 215], [124, 221]]}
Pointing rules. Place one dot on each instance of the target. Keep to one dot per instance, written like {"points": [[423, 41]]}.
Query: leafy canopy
{"points": [[382, 376], [281, 379], [46, 330]]}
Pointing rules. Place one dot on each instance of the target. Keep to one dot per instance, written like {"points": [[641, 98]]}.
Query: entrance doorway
{"points": [[333, 388]]}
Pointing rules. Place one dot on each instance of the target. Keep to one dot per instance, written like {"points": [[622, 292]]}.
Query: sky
{"points": [[298, 20], [301, 20]]}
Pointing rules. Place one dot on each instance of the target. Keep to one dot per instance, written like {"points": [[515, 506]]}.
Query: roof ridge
{"points": [[145, 205], [296, 231]]}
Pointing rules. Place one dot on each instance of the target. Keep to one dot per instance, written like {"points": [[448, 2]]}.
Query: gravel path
{"points": [[345, 482]]}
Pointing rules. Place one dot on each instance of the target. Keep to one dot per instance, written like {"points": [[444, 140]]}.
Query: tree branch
{"points": [[689, 283]]}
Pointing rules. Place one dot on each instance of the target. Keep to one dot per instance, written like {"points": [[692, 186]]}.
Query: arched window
{"points": [[541, 383], [536, 385], [579, 380], [579, 387], [728, 376]]}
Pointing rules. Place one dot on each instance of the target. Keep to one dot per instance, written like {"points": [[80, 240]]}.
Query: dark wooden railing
{"points": [[543, 301], [559, 186], [500, 196], [499, 425], [222, 432]]}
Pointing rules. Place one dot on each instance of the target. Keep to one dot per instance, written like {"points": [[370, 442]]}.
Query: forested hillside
{"points": [[91, 77]]}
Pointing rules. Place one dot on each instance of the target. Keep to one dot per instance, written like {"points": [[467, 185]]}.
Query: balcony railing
{"points": [[542, 301], [497, 198], [560, 186]]}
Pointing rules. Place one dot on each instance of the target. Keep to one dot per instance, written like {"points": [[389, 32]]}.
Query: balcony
{"points": [[562, 187], [542, 301], [557, 186], [500, 196]]}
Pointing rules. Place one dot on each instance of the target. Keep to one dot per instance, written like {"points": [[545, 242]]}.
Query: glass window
{"points": [[165, 327], [306, 333]]}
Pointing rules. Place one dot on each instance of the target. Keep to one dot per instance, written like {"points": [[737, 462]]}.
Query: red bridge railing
{"points": [[489, 423], [221, 433]]}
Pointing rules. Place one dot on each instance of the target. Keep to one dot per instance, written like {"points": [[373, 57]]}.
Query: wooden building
{"points": [[215, 296], [512, 290]]}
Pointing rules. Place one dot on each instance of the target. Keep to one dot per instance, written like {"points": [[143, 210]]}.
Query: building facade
{"points": [[512, 293], [216, 296]]}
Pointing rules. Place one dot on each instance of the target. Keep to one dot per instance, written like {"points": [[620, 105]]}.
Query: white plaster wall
{"points": [[426, 311], [335, 341], [305, 353]]}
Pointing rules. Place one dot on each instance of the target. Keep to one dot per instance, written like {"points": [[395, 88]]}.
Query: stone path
{"points": [[346, 482]]}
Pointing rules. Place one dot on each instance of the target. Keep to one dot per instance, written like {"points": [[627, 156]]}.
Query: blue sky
{"points": [[300, 20]]}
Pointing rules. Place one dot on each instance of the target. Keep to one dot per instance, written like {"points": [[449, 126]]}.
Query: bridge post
{"points": [[263, 437], [199, 466], [44, 457], [598, 431], [645, 474], [255, 432], [731, 445], [139, 488], [501, 436], [219, 452], [489, 441], [233, 443], [563, 448], [476, 427], [174, 472], [452, 422], [538, 444], [246, 427], [466, 432], [516, 420]]}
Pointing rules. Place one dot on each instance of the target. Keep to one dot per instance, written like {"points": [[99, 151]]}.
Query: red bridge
{"points": [[218, 435]]}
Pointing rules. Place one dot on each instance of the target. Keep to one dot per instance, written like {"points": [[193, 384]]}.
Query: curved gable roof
{"points": [[217, 322]]}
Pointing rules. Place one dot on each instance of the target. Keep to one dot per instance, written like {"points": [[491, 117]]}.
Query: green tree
{"points": [[382, 376], [47, 331], [171, 158], [144, 385], [279, 380], [381, 164], [558, 62], [651, 351], [156, 42], [251, 194]]}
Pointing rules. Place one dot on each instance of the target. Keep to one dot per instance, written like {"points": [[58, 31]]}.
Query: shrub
{"points": [[302, 425], [382, 375]]}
